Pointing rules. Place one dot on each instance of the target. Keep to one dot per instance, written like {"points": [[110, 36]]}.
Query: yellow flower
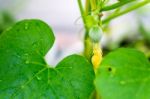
{"points": [[97, 56]]}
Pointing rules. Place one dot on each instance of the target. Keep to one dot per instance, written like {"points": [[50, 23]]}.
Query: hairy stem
{"points": [[87, 7], [93, 4], [126, 11], [116, 5], [82, 12], [87, 41]]}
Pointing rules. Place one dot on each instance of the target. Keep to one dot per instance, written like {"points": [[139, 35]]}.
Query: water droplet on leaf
{"points": [[26, 26], [38, 78], [122, 82], [27, 62], [22, 86]]}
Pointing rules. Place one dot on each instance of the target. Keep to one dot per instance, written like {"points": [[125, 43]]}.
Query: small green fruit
{"points": [[95, 33]]}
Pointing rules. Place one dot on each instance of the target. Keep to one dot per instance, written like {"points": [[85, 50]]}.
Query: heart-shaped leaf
{"points": [[124, 74], [25, 75]]}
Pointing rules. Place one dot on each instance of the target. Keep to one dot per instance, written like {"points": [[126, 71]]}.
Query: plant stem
{"points": [[116, 5], [88, 46], [87, 7], [82, 13], [93, 4], [126, 11], [87, 41]]}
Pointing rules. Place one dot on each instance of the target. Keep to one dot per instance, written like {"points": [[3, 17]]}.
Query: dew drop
{"points": [[38, 78], [27, 61], [26, 55], [122, 82], [22, 86], [70, 67], [26, 26]]}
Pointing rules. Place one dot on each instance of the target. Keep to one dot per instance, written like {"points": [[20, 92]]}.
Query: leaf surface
{"points": [[24, 73], [124, 74]]}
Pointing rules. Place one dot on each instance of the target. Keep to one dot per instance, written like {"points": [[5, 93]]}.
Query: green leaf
{"points": [[124, 74], [24, 73]]}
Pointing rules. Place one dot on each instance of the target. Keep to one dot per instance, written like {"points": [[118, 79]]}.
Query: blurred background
{"points": [[130, 30]]}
